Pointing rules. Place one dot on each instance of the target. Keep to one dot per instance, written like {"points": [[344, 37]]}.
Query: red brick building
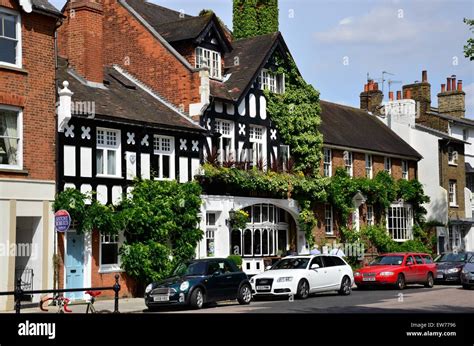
{"points": [[27, 143]]}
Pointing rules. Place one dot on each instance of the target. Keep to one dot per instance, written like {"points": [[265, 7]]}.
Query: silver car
{"points": [[467, 274]]}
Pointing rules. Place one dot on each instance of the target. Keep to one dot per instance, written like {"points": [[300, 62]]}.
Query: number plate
{"points": [[368, 279], [162, 298], [263, 288], [439, 276]]}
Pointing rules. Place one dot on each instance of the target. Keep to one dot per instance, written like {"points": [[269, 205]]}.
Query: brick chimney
{"points": [[371, 98], [420, 92], [451, 101], [80, 38]]}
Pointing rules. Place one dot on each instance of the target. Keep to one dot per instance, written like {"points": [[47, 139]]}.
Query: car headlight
{"points": [[184, 286], [357, 274], [453, 270], [285, 279], [386, 273], [148, 288]]}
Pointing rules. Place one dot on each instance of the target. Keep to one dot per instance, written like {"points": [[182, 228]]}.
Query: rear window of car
{"points": [[338, 261], [418, 259], [428, 259], [333, 261]]}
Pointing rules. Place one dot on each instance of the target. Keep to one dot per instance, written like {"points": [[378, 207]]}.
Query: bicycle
{"points": [[63, 303]]}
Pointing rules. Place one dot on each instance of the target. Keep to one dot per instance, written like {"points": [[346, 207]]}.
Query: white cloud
{"points": [[347, 20], [381, 25]]}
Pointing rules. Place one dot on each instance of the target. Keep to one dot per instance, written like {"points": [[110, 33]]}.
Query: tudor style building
{"points": [[27, 145]]}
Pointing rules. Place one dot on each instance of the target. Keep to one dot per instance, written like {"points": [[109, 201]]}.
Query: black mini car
{"points": [[198, 282], [449, 266]]}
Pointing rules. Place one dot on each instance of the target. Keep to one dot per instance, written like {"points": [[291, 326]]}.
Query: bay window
{"points": [[211, 59], [10, 137], [327, 162], [108, 156], [10, 38], [163, 149], [400, 221]]}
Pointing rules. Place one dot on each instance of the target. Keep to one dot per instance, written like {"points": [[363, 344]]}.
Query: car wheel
{"points": [[429, 281], [401, 282], [197, 299], [303, 289], [346, 286], [245, 295]]}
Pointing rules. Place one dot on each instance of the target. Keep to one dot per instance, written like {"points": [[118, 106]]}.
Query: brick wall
{"points": [[33, 89]]}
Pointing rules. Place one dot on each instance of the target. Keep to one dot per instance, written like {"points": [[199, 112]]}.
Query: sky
{"points": [[336, 43]]}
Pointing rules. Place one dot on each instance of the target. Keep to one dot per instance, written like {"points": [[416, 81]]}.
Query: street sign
{"points": [[62, 220]]}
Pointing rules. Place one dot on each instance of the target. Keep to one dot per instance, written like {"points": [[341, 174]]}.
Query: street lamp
{"points": [[230, 220]]}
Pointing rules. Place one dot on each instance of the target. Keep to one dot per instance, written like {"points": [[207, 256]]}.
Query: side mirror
{"points": [[314, 266], [268, 267]]}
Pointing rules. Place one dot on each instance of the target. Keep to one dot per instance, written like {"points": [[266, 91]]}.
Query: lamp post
{"points": [[230, 220]]}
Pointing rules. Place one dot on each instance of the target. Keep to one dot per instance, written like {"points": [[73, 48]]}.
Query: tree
{"points": [[254, 17], [469, 47]]}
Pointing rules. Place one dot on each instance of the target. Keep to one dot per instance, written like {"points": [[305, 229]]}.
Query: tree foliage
{"points": [[254, 17], [469, 47]]}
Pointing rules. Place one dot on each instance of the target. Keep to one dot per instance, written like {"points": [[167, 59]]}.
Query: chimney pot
{"points": [[459, 85], [399, 95], [366, 87], [453, 82], [448, 84], [424, 76], [408, 94], [376, 86], [443, 88], [390, 95]]}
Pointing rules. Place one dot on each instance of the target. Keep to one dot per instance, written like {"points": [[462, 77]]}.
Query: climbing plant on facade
{"points": [[254, 17]]}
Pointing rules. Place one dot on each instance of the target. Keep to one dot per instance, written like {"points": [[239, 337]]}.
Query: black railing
{"points": [[19, 293]]}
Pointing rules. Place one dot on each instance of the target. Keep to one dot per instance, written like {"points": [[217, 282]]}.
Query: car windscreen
{"points": [[452, 257], [190, 268], [387, 260], [291, 263]]}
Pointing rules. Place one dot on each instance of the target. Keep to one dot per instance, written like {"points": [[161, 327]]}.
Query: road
{"points": [[414, 299]]}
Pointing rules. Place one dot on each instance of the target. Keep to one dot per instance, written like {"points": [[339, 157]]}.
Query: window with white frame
{"points": [[109, 251], [284, 156], [211, 59], [257, 138], [400, 221], [211, 228], [465, 134], [452, 193], [226, 129], [108, 156], [163, 148], [452, 156], [388, 165], [328, 219], [327, 164], [10, 137], [455, 241], [405, 169], [10, 38], [272, 82], [349, 162], [369, 166], [370, 215]]}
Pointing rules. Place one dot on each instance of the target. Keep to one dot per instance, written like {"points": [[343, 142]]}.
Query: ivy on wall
{"points": [[254, 17], [296, 115]]}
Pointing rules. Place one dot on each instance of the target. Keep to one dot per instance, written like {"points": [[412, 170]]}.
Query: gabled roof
{"points": [[248, 56], [155, 14], [350, 127], [126, 100]]}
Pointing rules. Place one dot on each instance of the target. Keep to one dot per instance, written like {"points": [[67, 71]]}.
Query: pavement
{"points": [[439, 299]]}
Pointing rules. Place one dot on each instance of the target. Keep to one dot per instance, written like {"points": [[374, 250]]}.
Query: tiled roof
{"points": [[464, 121], [355, 128], [45, 5], [125, 99]]}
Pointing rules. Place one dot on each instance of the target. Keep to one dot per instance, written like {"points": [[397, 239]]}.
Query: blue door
{"points": [[75, 264]]}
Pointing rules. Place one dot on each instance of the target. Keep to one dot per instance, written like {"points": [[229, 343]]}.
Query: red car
{"points": [[398, 269]]}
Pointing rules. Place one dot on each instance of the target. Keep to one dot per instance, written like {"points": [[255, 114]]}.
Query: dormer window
{"points": [[271, 81], [211, 59]]}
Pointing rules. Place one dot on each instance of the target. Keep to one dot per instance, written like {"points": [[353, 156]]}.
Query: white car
{"points": [[303, 275]]}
